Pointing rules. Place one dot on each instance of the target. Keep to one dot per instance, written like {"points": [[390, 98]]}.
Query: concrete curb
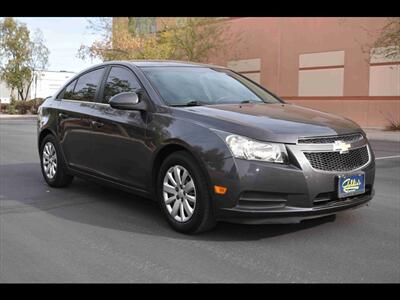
{"points": [[381, 135], [13, 117]]}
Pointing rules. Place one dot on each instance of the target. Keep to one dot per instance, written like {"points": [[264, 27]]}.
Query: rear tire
{"points": [[52, 164], [184, 198]]}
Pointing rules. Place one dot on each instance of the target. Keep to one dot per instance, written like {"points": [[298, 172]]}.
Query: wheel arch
{"points": [[43, 133], [167, 150]]}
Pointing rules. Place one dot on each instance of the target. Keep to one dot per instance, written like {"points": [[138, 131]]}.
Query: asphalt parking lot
{"points": [[91, 233]]}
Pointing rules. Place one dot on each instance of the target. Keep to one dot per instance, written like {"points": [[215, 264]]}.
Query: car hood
{"points": [[281, 122]]}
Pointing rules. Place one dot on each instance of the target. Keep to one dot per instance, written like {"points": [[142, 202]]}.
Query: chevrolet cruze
{"points": [[205, 142]]}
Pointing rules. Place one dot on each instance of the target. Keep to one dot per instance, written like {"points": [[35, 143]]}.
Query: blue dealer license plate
{"points": [[350, 185]]}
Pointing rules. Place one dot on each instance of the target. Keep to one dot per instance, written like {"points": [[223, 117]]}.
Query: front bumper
{"points": [[289, 214], [260, 192]]}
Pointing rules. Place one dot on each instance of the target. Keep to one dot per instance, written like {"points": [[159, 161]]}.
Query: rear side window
{"points": [[69, 90], [119, 80], [86, 86]]}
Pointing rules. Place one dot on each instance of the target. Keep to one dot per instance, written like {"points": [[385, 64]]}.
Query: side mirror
{"points": [[127, 101]]}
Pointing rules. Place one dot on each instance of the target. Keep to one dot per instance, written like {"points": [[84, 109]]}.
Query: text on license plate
{"points": [[349, 185]]}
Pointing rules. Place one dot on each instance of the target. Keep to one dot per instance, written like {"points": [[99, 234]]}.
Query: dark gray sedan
{"points": [[205, 142]]}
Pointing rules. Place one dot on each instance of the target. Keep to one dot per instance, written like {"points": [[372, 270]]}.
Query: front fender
{"points": [[202, 142]]}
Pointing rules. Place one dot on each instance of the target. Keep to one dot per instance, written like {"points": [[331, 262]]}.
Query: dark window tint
{"points": [[119, 80], [85, 89], [183, 85], [69, 90]]}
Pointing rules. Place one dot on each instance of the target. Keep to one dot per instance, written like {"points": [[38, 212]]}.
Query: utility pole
{"points": [[35, 74]]}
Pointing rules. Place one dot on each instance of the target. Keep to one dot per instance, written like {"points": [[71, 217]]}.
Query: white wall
{"points": [[4, 92], [48, 83]]}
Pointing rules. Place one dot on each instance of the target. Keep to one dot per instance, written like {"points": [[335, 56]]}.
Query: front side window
{"points": [[181, 86], [119, 80], [85, 89]]}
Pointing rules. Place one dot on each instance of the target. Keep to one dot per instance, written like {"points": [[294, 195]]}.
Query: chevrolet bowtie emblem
{"points": [[341, 146]]}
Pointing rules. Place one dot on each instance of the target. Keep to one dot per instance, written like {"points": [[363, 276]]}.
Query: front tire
{"points": [[52, 163], [183, 194]]}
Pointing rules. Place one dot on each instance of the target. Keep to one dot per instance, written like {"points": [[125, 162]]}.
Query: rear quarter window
{"points": [[68, 91]]}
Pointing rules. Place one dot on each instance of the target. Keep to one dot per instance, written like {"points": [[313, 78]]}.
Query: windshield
{"points": [[185, 86]]}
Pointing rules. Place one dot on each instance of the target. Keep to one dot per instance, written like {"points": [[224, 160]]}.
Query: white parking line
{"points": [[387, 157]]}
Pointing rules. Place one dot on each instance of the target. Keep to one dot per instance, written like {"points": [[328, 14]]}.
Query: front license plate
{"points": [[350, 185]]}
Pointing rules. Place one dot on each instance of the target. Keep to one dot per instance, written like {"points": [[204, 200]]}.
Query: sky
{"points": [[63, 37]]}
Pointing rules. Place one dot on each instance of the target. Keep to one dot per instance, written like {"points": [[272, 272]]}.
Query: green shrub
{"points": [[394, 125], [35, 103], [3, 107], [21, 107], [11, 109], [394, 122]]}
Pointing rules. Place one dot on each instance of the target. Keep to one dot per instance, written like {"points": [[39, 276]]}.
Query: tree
{"points": [[387, 44], [20, 55], [192, 38]]}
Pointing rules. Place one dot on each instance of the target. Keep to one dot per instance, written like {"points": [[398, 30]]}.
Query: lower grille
{"points": [[334, 161], [260, 200], [331, 197]]}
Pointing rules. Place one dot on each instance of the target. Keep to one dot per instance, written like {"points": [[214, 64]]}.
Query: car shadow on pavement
{"points": [[24, 191]]}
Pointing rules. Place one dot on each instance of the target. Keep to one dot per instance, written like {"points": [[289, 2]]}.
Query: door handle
{"points": [[63, 116], [96, 124]]}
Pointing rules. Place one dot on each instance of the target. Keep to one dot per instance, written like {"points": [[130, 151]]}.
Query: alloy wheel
{"points": [[49, 160], [179, 193]]}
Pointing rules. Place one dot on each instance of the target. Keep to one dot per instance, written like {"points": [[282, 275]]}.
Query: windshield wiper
{"points": [[190, 103]]}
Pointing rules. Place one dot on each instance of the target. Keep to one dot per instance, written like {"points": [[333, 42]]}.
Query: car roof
{"points": [[164, 63]]}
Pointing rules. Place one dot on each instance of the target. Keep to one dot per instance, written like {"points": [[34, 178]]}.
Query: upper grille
{"points": [[334, 161], [350, 138]]}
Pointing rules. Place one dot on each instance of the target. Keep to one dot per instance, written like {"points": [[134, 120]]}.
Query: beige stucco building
{"points": [[322, 62]]}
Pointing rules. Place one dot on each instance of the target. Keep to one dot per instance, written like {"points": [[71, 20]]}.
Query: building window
{"points": [[321, 74], [384, 76], [251, 68], [142, 25]]}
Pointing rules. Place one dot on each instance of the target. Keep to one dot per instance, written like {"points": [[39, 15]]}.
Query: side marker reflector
{"points": [[220, 190]]}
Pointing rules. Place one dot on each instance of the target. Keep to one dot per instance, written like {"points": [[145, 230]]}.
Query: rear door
{"points": [[75, 118], [120, 151]]}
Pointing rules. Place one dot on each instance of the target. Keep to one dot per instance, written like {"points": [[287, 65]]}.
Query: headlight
{"points": [[245, 148]]}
